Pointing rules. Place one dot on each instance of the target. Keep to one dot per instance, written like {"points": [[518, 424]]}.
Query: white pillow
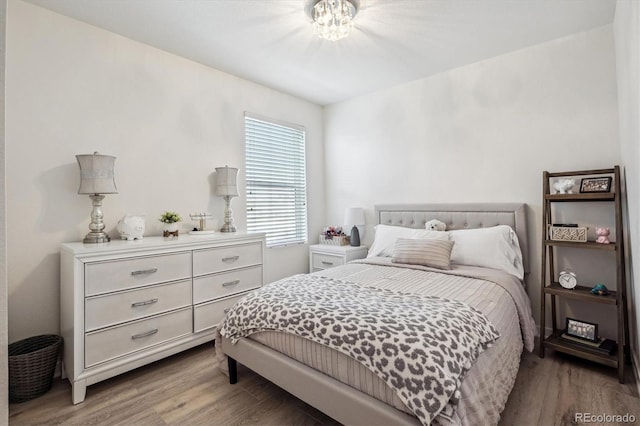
{"points": [[385, 238], [496, 247]]}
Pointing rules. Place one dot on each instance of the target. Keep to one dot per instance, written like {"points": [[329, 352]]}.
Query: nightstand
{"points": [[325, 256]]}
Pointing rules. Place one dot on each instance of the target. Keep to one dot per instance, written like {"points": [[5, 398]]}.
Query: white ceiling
{"points": [[271, 41]]}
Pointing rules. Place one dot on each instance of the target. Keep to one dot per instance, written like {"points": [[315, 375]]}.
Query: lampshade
{"points": [[96, 174], [353, 216], [226, 181]]}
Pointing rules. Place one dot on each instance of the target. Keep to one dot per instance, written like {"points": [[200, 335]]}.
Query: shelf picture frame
{"points": [[595, 184], [581, 329]]}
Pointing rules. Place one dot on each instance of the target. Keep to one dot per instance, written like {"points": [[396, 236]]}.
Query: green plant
{"points": [[170, 217]]}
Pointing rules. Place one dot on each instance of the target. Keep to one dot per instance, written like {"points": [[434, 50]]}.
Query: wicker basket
{"points": [[32, 362], [334, 241], [565, 233]]}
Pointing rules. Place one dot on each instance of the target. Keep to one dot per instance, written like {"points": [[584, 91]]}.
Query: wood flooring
{"points": [[188, 389]]}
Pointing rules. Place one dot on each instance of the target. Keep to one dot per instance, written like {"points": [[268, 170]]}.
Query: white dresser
{"points": [[124, 304]]}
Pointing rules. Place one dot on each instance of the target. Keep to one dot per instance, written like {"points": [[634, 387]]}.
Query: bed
{"points": [[350, 392]]}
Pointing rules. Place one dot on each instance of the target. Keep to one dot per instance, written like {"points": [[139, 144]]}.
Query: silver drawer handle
{"points": [[146, 302], [324, 262], [147, 334], [230, 258], [226, 311], [144, 271], [231, 283]]}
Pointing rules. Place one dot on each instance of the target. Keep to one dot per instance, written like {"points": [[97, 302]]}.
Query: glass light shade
{"points": [[96, 174], [226, 181], [353, 216], [333, 19]]}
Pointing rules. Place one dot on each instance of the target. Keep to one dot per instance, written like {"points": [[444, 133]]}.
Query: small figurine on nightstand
{"points": [[602, 235]]}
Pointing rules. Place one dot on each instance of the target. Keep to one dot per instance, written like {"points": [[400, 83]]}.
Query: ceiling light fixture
{"points": [[332, 19]]}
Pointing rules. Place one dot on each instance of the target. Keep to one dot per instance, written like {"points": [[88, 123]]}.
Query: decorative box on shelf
{"points": [[566, 233], [336, 240]]}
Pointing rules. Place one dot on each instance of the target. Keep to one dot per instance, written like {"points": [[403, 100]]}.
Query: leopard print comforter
{"points": [[421, 346]]}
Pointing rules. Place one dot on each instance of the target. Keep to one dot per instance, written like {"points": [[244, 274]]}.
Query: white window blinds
{"points": [[276, 181]]}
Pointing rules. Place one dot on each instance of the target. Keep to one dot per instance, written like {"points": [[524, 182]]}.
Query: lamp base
{"points": [[96, 238], [97, 234], [355, 237], [228, 228]]}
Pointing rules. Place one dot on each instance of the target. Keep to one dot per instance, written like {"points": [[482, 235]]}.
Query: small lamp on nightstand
{"points": [[354, 217]]}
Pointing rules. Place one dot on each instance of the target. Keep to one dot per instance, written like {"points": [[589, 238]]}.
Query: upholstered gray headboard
{"points": [[460, 216]]}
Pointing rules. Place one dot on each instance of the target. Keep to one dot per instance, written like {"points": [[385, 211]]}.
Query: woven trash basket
{"points": [[32, 362]]}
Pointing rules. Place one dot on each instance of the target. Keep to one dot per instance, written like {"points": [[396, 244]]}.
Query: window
{"points": [[276, 181]]}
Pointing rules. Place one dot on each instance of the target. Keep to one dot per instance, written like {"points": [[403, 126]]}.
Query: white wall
{"points": [[483, 132], [627, 41], [74, 89], [4, 393]]}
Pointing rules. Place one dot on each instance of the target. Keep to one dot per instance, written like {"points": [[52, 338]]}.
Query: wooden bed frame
{"points": [[342, 402]]}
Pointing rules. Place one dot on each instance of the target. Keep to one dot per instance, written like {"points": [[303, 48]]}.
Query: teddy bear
{"points": [[602, 235], [564, 186], [436, 225]]}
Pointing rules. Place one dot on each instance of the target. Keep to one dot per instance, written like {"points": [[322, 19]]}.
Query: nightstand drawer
{"points": [[208, 315], [114, 308], [225, 258], [101, 346], [324, 261], [225, 284], [104, 277]]}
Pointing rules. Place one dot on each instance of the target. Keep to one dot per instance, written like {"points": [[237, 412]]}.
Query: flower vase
{"points": [[170, 230]]}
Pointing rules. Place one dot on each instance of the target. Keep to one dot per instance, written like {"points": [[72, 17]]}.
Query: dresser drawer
{"points": [[224, 284], [104, 277], [101, 346], [208, 315], [224, 258], [114, 308], [324, 261]]}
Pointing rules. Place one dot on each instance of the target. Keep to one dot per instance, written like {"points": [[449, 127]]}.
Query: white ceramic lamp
{"points": [[227, 187], [354, 218], [96, 179]]}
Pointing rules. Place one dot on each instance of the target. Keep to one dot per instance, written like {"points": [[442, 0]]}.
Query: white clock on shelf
{"points": [[568, 279]]}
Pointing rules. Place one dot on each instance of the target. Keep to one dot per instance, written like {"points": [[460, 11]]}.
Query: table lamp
{"points": [[96, 179], [227, 188], [354, 217]]}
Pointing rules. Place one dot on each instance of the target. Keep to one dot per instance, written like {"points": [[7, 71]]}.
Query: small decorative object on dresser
{"points": [[564, 186], [131, 227], [599, 184], [324, 256], [201, 229], [602, 235], [170, 220]]}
